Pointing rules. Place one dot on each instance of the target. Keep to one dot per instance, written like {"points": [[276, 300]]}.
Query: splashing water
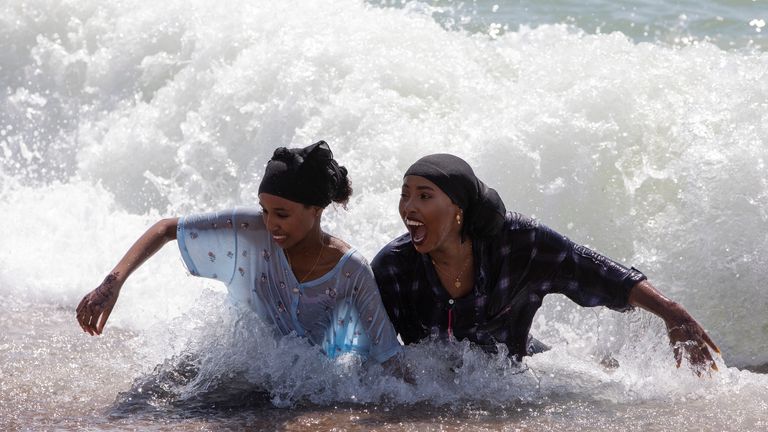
{"points": [[114, 115]]}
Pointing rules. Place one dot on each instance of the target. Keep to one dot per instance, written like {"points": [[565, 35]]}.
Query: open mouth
{"points": [[417, 229], [278, 238]]}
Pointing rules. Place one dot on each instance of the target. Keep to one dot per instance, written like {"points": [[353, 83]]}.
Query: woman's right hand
{"points": [[94, 309]]}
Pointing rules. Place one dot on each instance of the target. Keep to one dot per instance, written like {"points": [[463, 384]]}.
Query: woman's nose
{"points": [[406, 205], [269, 222]]}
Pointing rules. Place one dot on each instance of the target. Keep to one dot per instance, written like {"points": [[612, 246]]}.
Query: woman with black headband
{"points": [[277, 260], [468, 269]]}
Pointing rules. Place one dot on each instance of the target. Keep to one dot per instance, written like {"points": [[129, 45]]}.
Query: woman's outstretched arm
{"points": [[94, 309], [685, 334]]}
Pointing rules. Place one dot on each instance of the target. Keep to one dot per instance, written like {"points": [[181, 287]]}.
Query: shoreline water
{"points": [[97, 374]]}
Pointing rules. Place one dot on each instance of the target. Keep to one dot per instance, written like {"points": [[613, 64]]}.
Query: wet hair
{"points": [[308, 175], [343, 188]]}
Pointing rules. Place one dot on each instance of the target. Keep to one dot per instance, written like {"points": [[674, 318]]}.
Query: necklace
{"points": [[457, 281], [317, 260]]}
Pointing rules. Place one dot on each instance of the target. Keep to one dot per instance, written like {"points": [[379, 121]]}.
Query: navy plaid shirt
{"points": [[513, 273]]}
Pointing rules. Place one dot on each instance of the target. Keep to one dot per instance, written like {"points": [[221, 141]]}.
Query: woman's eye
{"points": [[425, 196]]}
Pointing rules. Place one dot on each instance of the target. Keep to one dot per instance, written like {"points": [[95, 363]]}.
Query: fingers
{"points": [[698, 355], [103, 320], [689, 340], [87, 315], [706, 355], [95, 313], [94, 309], [698, 334], [698, 358], [81, 313], [709, 342], [81, 305], [678, 354], [704, 344]]}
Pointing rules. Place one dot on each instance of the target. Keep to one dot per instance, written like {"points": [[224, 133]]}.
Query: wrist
{"points": [[673, 314], [113, 282]]}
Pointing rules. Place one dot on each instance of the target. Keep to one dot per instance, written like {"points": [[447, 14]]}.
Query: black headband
{"points": [[484, 210], [306, 175]]}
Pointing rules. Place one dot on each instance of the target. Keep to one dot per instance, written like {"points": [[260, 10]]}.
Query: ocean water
{"points": [[637, 128]]}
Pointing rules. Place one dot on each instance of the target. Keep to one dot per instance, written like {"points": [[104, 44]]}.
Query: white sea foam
{"points": [[114, 115]]}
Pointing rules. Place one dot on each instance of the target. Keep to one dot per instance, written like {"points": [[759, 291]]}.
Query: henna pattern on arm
{"points": [[94, 304], [105, 291]]}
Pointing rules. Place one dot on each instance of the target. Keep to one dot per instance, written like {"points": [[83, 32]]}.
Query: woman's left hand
{"points": [[688, 338]]}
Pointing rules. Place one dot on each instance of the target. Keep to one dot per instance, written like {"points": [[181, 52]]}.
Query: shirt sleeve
{"points": [[208, 244], [373, 316], [585, 276]]}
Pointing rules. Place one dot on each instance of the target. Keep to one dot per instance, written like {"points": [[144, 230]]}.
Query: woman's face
{"points": [[428, 214], [287, 221]]}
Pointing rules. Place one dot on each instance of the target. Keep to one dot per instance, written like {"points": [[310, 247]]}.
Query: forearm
{"points": [[147, 245]]}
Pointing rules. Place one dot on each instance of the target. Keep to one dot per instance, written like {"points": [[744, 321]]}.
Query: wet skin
{"points": [[430, 217], [435, 222]]}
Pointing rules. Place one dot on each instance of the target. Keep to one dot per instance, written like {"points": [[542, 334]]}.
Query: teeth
{"points": [[413, 223]]}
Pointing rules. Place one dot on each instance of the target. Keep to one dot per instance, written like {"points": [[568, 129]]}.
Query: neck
{"points": [[309, 245], [452, 253]]}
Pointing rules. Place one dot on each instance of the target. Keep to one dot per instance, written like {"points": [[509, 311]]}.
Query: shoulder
{"points": [[518, 224], [338, 245], [518, 231], [356, 264], [245, 219], [525, 231], [228, 216], [247, 214], [514, 221], [356, 260]]}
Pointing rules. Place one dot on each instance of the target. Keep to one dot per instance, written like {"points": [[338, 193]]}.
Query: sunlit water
{"points": [[623, 126]]}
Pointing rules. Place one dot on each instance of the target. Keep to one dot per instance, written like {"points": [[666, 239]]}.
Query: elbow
{"points": [[166, 228]]}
